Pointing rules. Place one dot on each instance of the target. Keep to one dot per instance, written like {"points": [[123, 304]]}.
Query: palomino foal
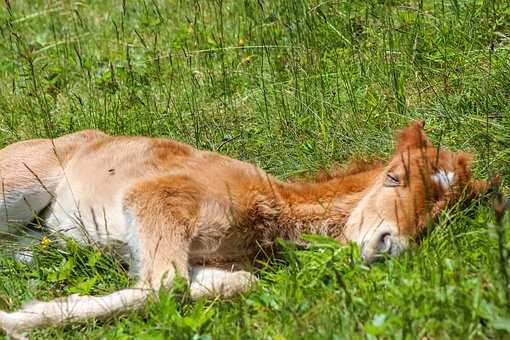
{"points": [[178, 209]]}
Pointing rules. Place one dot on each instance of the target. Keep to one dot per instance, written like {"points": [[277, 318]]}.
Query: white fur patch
{"points": [[444, 179], [18, 207], [133, 242], [24, 256], [211, 282]]}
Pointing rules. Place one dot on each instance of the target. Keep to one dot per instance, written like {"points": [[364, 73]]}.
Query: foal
{"points": [[176, 209]]}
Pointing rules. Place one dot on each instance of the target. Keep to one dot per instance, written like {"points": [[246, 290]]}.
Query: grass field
{"points": [[292, 86]]}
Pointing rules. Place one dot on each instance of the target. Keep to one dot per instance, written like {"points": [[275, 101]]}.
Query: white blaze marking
{"points": [[444, 178]]}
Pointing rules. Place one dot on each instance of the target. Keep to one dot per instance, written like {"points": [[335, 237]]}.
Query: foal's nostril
{"points": [[384, 244]]}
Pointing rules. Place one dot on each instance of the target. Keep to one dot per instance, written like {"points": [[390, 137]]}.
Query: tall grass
{"points": [[291, 86]]}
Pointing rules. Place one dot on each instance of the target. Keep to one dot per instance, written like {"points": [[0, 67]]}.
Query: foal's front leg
{"points": [[163, 213], [167, 243]]}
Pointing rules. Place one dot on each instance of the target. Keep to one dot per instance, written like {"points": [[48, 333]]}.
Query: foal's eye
{"points": [[392, 180]]}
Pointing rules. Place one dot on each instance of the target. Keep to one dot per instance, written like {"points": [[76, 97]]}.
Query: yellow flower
{"points": [[246, 60], [45, 242]]}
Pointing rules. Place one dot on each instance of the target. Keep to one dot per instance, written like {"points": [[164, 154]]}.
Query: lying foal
{"points": [[179, 209]]}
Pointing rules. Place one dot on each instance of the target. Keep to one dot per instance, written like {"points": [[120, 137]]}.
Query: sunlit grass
{"points": [[292, 86]]}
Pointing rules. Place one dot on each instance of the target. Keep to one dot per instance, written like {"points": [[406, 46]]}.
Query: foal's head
{"points": [[419, 182]]}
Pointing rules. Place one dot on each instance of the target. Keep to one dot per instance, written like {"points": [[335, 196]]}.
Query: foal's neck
{"points": [[321, 207]]}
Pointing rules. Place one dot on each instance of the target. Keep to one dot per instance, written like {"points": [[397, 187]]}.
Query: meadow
{"points": [[294, 87]]}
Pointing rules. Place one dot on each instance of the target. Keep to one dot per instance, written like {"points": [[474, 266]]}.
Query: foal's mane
{"points": [[337, 171]]}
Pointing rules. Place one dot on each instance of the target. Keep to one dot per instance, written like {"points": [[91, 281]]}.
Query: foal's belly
{"points": [[88, 202], [80, 212]]}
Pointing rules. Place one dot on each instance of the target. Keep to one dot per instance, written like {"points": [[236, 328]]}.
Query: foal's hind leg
{"points": [[161, 213], [29, 173]]}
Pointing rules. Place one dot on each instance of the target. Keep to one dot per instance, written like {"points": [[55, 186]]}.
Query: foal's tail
{"points": [[72, 308]]}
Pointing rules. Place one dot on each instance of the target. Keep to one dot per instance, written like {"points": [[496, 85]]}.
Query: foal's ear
{"points": [[413, 137], [481, 187], [475, 188]]}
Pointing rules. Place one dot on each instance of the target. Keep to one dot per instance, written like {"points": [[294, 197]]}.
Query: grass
{"points": [[292, 86]]}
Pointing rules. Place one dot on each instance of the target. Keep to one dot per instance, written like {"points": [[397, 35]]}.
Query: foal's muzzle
{"points": [[381, 246]]}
